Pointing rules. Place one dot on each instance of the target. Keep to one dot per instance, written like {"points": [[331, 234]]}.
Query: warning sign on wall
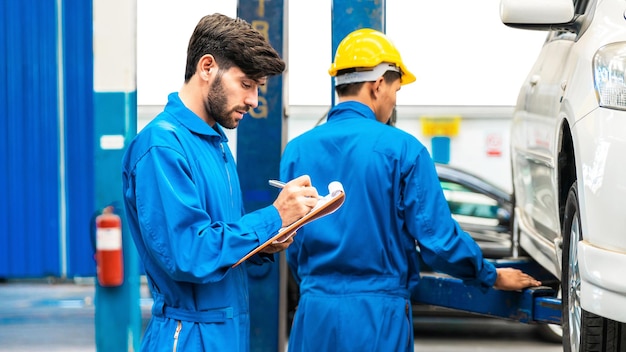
{"points": [[493, 143]]}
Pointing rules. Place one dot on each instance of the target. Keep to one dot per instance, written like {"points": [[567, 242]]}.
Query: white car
{"points": [[568, 158]]}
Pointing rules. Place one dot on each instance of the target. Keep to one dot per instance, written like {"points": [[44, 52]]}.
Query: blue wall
{"points": [[46, 137]]}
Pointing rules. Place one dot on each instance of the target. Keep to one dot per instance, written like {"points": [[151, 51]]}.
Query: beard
{"points": [[216, 105]]}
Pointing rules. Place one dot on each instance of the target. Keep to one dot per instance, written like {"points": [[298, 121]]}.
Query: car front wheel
{"points": [[570, 276], [582, 330]]}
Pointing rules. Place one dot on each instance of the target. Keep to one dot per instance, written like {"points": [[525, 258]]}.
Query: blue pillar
{"points": [[118, 317], [260, 139], [440, 146], [350, 15]]}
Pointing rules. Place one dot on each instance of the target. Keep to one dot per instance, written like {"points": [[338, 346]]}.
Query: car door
{"points": [[534, 140]]}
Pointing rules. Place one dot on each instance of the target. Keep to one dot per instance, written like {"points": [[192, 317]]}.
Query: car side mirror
{"points": [[536, 12]]}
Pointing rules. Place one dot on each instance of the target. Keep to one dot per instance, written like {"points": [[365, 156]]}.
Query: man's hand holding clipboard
{"points": [[323, 206]]}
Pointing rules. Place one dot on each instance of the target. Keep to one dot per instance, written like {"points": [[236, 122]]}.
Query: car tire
{"points": [[582, 330]]}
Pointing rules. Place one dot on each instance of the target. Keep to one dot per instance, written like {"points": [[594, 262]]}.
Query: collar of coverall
{"points": [[366, 76]]}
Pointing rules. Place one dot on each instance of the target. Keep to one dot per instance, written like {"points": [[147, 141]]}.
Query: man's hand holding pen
{"points": [[296, 199]]}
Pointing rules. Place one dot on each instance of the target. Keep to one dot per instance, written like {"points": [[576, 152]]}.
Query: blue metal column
{"points": [[260, 140], [350, 15], [118, 317]]}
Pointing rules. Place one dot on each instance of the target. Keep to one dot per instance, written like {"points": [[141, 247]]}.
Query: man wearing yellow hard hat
{"points": [[357, 267]]}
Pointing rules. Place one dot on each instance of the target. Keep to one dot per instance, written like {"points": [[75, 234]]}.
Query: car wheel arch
{"points": [[566, 166]]}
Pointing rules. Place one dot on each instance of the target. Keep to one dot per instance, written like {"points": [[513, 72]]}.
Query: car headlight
{"points": [[609, 75]]}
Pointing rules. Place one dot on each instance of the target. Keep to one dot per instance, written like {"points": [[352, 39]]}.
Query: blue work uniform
{"points": [[185, 212], [356, 268]]}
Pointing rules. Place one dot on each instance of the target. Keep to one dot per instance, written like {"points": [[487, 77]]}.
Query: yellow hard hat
{"points": [[368, 48]]}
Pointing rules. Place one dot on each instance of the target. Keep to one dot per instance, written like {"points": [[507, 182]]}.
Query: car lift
{"points": [[532, 305]]}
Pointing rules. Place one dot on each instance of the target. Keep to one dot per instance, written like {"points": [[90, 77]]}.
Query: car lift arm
{"points": [[532, 305]]}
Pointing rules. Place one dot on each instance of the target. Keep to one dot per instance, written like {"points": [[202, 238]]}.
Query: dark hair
{"points": [[232, 42], [353, 88]]}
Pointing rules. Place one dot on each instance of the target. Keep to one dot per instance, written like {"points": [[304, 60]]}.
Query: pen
{"points": [[276, 183]]}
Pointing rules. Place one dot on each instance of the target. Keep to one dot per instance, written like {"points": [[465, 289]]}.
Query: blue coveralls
{"points": [[357, 267], [185, 213]]}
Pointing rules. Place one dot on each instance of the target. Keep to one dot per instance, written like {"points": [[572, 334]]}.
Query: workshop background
{"points": [[79, 78]]}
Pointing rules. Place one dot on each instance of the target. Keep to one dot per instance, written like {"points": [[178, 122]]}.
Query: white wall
{"points": [[163, 31], [459, 50]]}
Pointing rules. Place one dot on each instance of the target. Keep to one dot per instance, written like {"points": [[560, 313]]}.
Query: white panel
{"points": [[310, 52], [163, 31], [112, 142], [460, 51], [114, 41]]}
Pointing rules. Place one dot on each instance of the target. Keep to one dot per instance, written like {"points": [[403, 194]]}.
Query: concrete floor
{"points": [[54, 317]]}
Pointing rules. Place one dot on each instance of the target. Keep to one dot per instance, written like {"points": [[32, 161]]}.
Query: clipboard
{"points": [[325, 205]]}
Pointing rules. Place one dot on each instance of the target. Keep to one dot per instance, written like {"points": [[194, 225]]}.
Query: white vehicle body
{"points": [[568, 135]]}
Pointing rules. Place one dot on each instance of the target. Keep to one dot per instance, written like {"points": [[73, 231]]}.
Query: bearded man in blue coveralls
{"points": [[183, 198], [357, 268]]}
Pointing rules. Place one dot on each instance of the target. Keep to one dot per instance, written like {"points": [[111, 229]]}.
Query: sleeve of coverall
{"points": [[443, 244], [179, 234]]}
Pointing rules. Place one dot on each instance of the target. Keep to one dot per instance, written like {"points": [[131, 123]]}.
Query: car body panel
{"points": [[534, 140], [604, 283], [603, 172]]}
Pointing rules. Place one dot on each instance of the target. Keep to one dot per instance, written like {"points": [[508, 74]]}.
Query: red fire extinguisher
{"points": [[109, 259]]}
